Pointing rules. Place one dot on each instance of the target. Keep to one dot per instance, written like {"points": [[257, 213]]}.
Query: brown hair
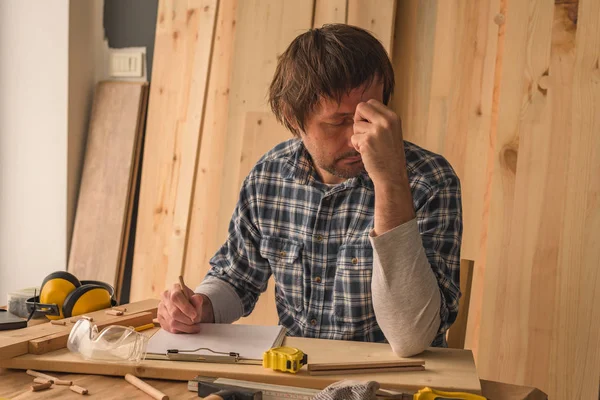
{"points": [[326, 62]]}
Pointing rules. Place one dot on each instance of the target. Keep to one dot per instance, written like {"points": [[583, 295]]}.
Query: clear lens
{"points": [[113, 343]]}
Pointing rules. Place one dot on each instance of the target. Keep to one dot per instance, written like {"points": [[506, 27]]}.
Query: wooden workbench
{"points": [[14, 384]]}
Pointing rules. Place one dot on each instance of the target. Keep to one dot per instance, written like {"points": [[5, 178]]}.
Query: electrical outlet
{"points": [[126, 64]]}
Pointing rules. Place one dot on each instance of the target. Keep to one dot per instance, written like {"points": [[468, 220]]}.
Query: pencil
{"points": [[144, 327], [183, 288]]}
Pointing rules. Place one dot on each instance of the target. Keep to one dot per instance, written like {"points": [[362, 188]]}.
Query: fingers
{"points": [[368, 112], [176, 314], [180, 301], [198, 302]]}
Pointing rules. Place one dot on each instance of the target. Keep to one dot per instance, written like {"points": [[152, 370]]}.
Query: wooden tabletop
{"points": [[16, 384]]}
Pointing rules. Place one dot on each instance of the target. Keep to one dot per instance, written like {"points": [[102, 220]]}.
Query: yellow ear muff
{"points": [[85, 299], [55, 289]]}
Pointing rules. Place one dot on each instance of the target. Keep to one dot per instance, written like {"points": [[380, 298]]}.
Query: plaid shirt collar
{"points": [[300, 169]]}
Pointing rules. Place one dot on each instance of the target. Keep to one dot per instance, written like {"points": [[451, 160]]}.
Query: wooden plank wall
{"points": [[507, 92], [444, 60], [540, 319], [184, 32]]}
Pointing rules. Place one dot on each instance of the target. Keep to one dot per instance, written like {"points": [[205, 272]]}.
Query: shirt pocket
{"points": [[352, 300], [285, 260]]}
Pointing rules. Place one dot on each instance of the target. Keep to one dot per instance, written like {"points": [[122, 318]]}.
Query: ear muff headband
{"points": [[55, 289]]}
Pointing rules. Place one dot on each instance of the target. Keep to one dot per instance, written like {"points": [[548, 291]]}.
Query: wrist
{"points": [[208, 314]]}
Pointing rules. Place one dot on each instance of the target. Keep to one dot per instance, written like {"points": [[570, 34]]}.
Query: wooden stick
{"points": [[365, 365], [41, 386], [114, 312], [41, 375], [58, 322], [43, 380], [63, 382], [144, 387], [182, 284], [91, 319], [122, 309], [364, 370], [78, 389]]}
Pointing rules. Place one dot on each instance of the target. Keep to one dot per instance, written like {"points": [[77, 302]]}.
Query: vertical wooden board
{"points": [[184, 35], [484, 188], [107, 182], [376, 16], [329, 12], [203, 241], [575, 351], [262, 132], [542, 288], [444, 59], [264, 30]]}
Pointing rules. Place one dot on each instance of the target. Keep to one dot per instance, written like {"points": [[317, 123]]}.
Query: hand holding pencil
{"points": [[180, 309]]}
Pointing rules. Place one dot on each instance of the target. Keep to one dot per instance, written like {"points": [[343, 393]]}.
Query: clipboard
{"points": [[216, 343]]}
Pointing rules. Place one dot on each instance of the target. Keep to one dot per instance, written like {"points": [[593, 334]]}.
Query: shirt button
{"points": [[318, 279], [282, 253], [313, 322], [319, 238], [355, 261]]}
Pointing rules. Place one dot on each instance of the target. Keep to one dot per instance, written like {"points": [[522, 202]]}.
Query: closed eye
{"points": [[347, 121]]}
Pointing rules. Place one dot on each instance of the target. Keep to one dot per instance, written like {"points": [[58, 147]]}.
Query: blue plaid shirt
{"points": [[314, 239]]}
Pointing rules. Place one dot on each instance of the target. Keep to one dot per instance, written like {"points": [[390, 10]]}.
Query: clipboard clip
{"points": [[220, 356]]}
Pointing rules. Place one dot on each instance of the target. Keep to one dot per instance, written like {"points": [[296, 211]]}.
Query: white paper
{"points": [[249, 341]]}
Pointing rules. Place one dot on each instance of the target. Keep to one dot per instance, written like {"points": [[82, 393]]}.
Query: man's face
{"points": [[328, 132]]}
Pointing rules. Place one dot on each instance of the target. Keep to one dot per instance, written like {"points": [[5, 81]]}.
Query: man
{"points": [[360, 229]]}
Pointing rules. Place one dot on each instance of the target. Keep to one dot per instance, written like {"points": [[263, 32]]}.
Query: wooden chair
{"points": [[456, 333]]}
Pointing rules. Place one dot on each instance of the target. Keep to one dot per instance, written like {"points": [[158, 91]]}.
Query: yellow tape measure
{"points": [[432, 394], [286, 359]]}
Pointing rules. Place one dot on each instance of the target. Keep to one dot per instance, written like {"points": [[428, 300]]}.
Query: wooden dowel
{"points": [[122, 309], [91, 319], [58, 322], [40, 375], [144, 387], [43, 380], [114, 312], [41, 386], [63, 382], [78, 389]]}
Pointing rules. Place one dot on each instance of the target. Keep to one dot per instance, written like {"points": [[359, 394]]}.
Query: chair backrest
{"points": [[456, 333]]}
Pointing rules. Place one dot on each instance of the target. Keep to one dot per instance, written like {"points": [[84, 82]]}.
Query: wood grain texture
{"points": [[456, 334], [376, 16], [203, 239], [15, 342], [101, 229], [58, 341], [329, 12], [16, 385], [445, 65], [184, 34], [262, 132], [264, 30], [540, 318], [448, 369]]}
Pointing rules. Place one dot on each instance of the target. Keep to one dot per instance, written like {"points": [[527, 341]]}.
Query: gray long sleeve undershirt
{"points": [[406, 297]]}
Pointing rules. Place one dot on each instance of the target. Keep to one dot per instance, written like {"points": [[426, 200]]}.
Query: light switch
{"points": [[126, 64]]}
